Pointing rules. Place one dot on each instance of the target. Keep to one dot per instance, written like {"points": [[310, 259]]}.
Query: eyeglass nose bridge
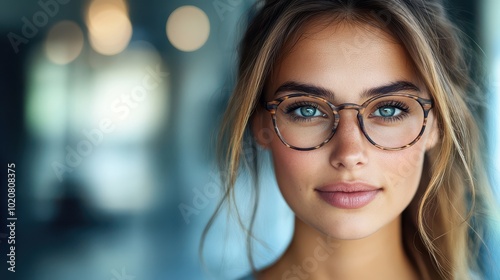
{"points": [[271, 107], [349, 106]]}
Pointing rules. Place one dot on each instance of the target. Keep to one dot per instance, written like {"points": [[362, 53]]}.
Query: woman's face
{"points": [[348, 188]]}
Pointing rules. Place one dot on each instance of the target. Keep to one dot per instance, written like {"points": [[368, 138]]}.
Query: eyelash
{"points": [[397, 104], [405, 109], [292, 107]]}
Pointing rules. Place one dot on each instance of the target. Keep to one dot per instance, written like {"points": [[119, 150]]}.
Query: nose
{"points": [[348, 145]]}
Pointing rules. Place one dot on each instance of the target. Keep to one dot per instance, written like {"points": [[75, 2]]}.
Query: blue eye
{"points": [[307, 111], [387, 112], [304, 110]]}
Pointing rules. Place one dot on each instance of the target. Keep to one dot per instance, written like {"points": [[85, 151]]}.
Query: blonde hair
{"points": [[443, 226]]}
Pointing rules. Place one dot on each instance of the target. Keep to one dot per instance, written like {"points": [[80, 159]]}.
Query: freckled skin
{"points": [[335, 58]]}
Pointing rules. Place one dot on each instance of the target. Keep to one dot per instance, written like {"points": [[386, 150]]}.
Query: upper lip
{"points": [[347, 187]]}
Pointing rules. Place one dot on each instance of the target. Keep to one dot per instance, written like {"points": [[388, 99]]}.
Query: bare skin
{"points": [[364, 243], [379, 256]]}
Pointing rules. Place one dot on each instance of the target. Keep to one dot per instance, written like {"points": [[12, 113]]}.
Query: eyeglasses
{"points": [[390, 122]]}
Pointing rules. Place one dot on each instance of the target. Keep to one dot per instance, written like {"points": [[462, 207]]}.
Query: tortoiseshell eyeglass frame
{"points": [[271, 107]]}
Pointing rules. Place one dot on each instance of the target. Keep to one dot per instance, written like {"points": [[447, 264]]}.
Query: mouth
{"points": [[348, 195]]}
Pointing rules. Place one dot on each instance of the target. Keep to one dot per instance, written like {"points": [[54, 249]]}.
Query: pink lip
{"points": [[348, 195]]}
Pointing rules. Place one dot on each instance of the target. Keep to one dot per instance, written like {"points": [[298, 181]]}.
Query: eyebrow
{"points": [[328, 94]]}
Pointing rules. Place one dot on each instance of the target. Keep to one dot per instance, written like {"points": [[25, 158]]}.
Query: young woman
{"points": [[374, 144]]}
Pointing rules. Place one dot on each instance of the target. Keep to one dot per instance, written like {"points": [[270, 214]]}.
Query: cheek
{"points": [[291, 167], [402, 172], [295, 171], [289, 164]]}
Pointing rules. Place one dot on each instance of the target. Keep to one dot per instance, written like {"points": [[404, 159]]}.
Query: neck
{"points": [[312, 255]]}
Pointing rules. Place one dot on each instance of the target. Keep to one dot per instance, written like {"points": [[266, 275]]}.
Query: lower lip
{"points": [[349, 200]]}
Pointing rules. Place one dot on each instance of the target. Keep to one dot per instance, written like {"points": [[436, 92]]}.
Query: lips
{"points": [[348, 195]]}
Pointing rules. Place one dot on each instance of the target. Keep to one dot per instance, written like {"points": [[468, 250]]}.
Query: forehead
{"points": [[345, 57]]}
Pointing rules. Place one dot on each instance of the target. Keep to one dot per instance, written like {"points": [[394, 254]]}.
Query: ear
{"points": [[434, 133], [261, 129]]}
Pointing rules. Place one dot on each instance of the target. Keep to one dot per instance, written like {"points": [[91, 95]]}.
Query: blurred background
{"points": [[109, 110]]}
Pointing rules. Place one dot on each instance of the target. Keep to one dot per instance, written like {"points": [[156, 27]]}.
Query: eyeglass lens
{"points": [[389, 121]]}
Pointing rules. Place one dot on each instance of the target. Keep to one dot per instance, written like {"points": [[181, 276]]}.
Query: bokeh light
{"points": [[64, 42], [110, 29], [97, 6], [188, 28]]}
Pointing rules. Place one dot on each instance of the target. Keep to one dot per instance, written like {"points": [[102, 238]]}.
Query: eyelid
{"points": [[286, 93], [360, 100], [358, 103]]}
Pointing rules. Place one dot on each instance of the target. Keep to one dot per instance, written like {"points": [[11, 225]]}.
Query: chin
{"points": [[350, 233], [347, 228]]}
